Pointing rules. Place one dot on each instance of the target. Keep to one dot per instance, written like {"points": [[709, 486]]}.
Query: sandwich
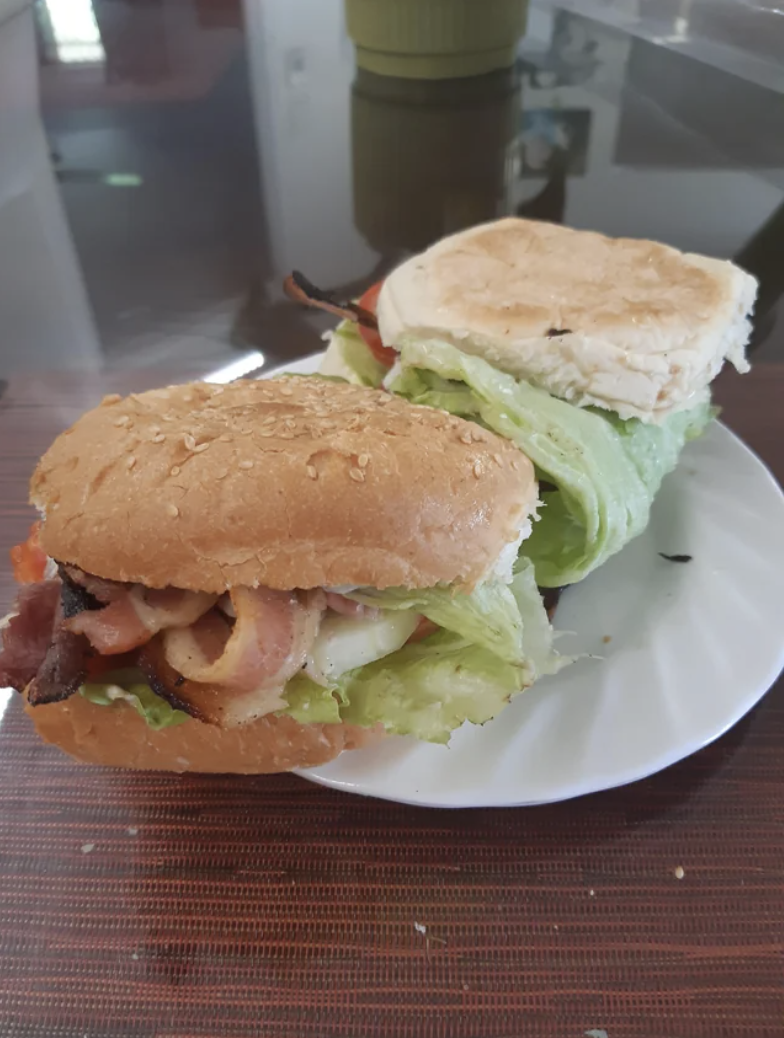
{"points": [[594, 355], [258, 576]]}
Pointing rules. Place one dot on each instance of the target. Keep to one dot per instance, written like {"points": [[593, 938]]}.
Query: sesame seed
{"points": [[357, 475], [286, 390], [363, 460], [225, 438], [122, 420], [498, 460], [130, 462], [187, 397], [202, 447], [172, 510], [190, 443], [222, 474], [158, 438], [477, 469], [154, 429], [466, 437], [175, 470], [112, 398], [311, 471], [246, 464]]}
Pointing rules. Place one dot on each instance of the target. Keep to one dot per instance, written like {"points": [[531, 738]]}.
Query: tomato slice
{"points": [[423, 630], [384, 354], [99, 665], [29, 559]]}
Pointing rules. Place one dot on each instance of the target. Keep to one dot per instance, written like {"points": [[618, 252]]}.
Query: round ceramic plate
{"points": [[684, 651]]}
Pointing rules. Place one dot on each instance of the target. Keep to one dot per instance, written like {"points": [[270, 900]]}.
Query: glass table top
{"points": [[188, 155]]}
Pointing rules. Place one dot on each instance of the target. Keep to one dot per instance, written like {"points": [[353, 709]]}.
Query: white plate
{"points": [[692, 648]]}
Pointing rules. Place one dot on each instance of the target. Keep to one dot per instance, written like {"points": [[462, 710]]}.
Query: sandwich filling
{"points": [[417, 661], [598, 473]]}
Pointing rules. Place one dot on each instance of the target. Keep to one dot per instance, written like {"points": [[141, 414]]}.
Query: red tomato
{"points": [[97, 666], [384, 354], [29, 559], [423, 630]]}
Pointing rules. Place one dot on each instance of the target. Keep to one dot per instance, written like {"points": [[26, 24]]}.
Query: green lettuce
{"points": [[489, 616], [132, 689], [349, 358], [429, 688], [606, 471], [496, 642]]}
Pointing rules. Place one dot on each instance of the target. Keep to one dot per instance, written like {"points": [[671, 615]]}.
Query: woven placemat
{"points": [[155, 905]]}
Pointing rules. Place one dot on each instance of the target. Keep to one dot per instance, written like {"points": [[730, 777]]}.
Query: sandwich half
{"points": [[594, 355], [255, 577]]}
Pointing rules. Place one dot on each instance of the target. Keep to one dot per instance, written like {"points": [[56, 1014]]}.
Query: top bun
{"points": [[632, 326], [289, 483]]}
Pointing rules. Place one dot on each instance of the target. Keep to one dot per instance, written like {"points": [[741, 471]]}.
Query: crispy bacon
{"points": [[64, 668], [27, 633], [132, 618], [301, 290], [104, 591], [228, 676]]}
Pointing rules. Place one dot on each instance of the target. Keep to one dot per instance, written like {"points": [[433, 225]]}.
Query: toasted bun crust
{"points": [[117, 737], [632, 326], [289, 483]]}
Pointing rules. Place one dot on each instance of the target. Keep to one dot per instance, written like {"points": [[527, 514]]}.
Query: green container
{"points": [[435, 39], [429, 156]]}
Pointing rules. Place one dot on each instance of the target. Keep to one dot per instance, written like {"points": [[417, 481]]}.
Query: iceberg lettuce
{"points": [[130, 687], [606, 471]]}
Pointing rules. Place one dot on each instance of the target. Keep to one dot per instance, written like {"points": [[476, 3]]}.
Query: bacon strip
{"points": [[297, 287], [27, 633], [230, 676], [132, 618], [64, 668], [104, 591]]}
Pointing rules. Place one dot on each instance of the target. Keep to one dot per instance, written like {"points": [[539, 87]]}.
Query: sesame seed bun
{"points": [[288, 483], [629, 325]]}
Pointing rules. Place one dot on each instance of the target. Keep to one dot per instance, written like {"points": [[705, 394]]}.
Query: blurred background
{"points": [[164, 163]]}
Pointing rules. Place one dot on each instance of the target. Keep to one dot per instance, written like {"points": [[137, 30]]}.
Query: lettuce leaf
{"points": [[311, 703], [348, 357], [606, 470], [119, 688], [489, 616], [429, 688]]}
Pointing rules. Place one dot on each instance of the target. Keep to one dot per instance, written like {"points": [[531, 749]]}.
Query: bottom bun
{"points": [[118, 737]]}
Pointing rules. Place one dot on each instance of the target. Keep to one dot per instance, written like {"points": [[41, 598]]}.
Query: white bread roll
{"points": [[632, 326]]}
